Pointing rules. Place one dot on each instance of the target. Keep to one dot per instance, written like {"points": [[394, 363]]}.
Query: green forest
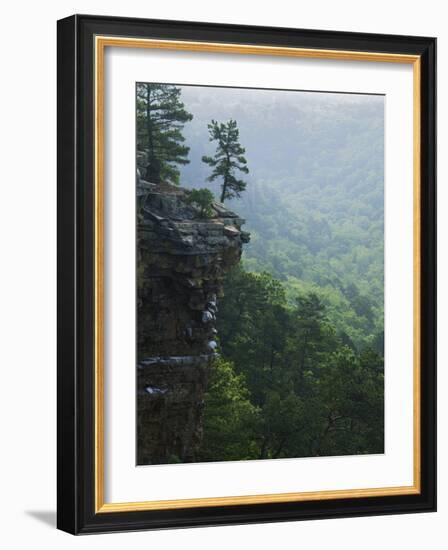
{"points": [[286, 384], [300, 364]]}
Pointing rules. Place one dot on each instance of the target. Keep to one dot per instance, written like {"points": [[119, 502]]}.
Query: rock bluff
{"points": [[182, 259]]}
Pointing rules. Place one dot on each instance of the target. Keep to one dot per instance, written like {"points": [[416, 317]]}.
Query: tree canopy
{"points": [[286, 384]]}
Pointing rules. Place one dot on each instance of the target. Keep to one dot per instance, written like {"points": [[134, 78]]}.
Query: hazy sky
{"points": [[279, 126], [230, 102]]}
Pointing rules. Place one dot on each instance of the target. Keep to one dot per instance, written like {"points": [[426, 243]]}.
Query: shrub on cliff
{"points": [[201, 199]]}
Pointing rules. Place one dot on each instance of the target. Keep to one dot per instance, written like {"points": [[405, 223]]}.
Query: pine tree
{"points": [[161, 116], [228, 158]]}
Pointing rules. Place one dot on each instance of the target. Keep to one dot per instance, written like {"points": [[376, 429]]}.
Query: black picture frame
{"points": [[76, 286]]}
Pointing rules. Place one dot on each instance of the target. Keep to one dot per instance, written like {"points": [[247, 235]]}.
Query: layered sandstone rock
{"points": [[181, 261]]}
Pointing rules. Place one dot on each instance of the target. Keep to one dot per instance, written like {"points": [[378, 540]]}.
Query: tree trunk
{"points": [[149, 167], [224, 185], [224, 188]]}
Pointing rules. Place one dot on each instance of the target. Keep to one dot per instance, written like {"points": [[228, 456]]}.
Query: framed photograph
{"points": [[246, 274]]}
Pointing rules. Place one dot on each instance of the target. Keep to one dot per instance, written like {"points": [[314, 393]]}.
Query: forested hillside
{"points": [[314, 197]]}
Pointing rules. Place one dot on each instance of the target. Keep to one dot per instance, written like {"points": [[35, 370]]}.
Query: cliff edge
{"points": [[182, 259]]}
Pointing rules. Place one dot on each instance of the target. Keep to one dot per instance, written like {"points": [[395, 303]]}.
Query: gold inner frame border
{"points": [[101, 42]]}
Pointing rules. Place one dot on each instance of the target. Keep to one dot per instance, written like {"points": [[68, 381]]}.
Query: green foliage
{"points": [[161, 116], [229, 158], [230, 419], [341, 261], [287, 384], [202, 199]]}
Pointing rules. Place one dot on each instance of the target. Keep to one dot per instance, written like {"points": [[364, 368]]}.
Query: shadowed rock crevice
{"points": [[182, 259]]}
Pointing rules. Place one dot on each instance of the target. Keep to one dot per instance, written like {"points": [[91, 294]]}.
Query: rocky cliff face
{"points": [[182, 259]]}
